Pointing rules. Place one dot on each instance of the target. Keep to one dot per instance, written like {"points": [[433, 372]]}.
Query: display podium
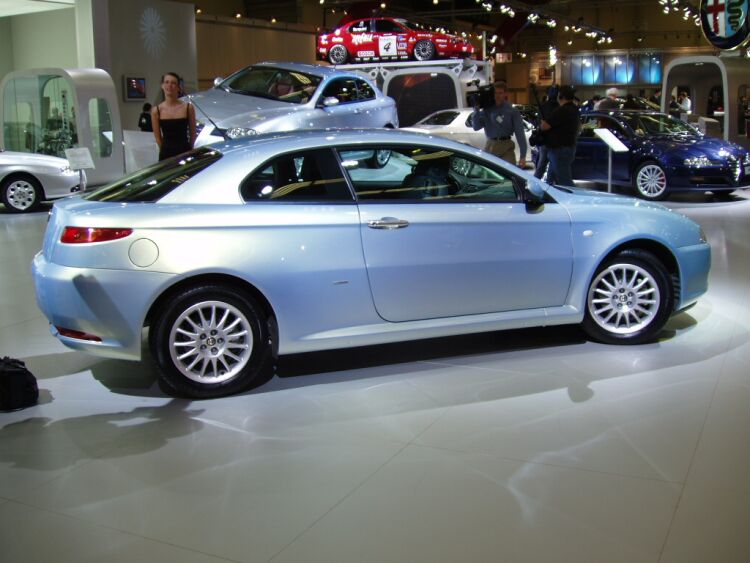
{"points": [[615, 145]]}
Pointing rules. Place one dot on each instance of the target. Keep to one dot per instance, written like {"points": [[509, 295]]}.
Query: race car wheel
{"points": [[650, 181], [20, 193], [338, 55], [424, 50]]}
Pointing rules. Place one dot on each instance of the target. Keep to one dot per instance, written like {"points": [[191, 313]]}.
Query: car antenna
{"points": [[216, 127]]}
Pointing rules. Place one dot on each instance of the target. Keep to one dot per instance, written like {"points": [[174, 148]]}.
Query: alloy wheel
{"points": [[21, 194], [624, 299], [651, 181], [211, 342]]}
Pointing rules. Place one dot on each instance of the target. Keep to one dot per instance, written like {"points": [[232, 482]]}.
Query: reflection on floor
{"points": [[524, 446]]}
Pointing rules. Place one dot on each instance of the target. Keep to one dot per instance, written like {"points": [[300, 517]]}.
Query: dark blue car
{"points": [[666, 155]]}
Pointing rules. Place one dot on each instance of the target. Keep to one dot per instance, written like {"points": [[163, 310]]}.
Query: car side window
{"points": [[302, 176], [611, 124], [364, 26], [421, 174], [387, 26], [343, 89], [364, 91]]}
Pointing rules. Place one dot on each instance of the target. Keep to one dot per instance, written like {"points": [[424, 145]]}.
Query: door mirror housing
{"points": [[328, 102], [218, 80]]}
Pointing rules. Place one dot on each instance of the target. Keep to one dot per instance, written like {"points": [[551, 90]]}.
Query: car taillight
{"points": [[78, 235]]}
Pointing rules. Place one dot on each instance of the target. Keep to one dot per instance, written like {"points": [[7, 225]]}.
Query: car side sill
{"points": [[385, 332]]}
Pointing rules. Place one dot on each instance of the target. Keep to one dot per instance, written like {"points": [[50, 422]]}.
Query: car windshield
{"points": [[657, 124], [442, 118], [153, 183], [273, 83], [412, 26]]}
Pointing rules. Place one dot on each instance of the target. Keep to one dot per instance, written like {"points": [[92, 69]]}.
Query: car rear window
{"points": [[153, 183]]}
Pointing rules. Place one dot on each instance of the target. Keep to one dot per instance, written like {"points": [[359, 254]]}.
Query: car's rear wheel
{"points": [[210, 341], [650, 181], [338, 55], [629, 299], [380, 158], [20, 193], [424, 50]]}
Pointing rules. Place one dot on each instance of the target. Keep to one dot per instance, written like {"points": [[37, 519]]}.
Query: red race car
{"points": [[389, 39]]}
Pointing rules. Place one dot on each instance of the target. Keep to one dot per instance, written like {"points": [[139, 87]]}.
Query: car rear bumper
{"points": [[108, 304]]}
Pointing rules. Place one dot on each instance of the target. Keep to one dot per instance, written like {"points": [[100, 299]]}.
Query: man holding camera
{"points": [[500, 122]]}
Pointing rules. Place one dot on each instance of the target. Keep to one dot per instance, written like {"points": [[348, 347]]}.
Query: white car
{"points": [[27, 179], [452, 124]]}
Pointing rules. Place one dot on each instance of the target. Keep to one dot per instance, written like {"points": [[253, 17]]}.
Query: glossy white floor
{"points": [[527, 446]]}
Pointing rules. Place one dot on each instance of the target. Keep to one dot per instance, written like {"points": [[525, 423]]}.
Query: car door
{"points": [[344, 113], [445, 235], [363, 42], [387, 38], [586, 150]]}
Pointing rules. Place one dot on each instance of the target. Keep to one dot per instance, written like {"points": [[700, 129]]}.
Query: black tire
{"points": [[650, 181], [379, 159], [218, 344], [725, 195], [21, 194], [634, 287], [338, 55], [424, 50]]}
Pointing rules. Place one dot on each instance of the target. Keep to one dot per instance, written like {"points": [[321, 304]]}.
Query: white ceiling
{"points": [[17, 7]]}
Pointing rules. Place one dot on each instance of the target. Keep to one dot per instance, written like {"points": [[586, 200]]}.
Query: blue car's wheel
{"points": [[650, 181], [629, 299], [210, 341]]}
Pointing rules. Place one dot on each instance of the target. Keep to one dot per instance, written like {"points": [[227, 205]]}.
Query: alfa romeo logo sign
{"points": [[725, 22]]}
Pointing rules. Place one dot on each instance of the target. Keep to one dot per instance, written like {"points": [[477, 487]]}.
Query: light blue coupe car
{"points": [[285, 243]]}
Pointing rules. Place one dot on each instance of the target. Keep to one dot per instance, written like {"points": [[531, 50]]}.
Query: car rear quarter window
{"points": [[343, 89], [420, 174], [306, 176], [153, 183], [364, 91]]}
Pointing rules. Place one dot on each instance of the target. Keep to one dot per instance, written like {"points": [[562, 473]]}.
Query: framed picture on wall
{"points": [[134, 88], [545, 73]]}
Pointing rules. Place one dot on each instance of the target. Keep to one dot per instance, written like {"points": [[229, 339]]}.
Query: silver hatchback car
{"points": [[276, 96], [288, 242]]}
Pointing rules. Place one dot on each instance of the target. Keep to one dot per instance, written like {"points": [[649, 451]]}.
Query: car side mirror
{"points": [[218, 80], [328, 101], [533, 195]]}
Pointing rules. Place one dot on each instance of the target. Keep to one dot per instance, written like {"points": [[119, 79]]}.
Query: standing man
{"points": [[500, 122], [562, 130], [610, 102], [546, 109], [656, 98], [685, 103]]}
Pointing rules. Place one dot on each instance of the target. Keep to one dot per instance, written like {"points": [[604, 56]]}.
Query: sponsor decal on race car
{"points": [[337, 40], [365, 53], [387, 46], [361, 38], [402, 46]]}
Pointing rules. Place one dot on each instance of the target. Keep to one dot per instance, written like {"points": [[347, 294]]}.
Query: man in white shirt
{"points": [[685, 103]]}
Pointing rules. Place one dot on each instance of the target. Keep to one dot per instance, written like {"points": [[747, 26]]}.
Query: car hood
{"points": [[580, 196], [226, 109], [30, 159], [686, 147]]}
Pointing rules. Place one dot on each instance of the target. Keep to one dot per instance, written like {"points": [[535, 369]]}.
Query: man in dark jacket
{"points": [[562, 131]]}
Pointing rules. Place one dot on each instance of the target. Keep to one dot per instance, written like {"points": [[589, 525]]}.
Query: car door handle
{"points": [[388, 223]]}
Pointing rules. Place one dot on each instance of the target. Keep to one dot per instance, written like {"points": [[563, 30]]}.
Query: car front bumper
{"points": [[110, 304], [694, 263]]}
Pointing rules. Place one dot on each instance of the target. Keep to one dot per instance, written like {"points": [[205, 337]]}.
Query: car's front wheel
{"points": [[424, 50], [338, 55], [210, 341], [650, 181], [20, 193], [629, 299]]}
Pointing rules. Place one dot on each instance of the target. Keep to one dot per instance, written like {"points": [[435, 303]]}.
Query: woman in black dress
{"points": [[173, 120]]}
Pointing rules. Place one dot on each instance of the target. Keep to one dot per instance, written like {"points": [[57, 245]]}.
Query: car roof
{"points": [[318, 70], [620, 112], [313, 138]]}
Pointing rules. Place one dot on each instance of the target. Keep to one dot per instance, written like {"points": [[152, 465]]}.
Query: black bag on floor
{"points": [[18, 388]]}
